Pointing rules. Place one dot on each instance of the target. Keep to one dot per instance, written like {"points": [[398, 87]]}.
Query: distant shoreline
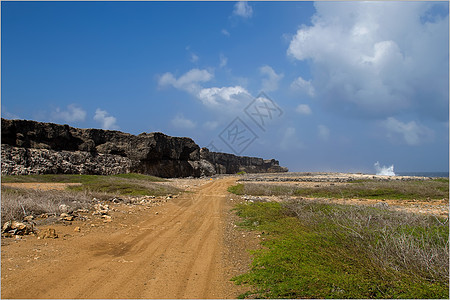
{"points": [[407, 174], [423, 174]]}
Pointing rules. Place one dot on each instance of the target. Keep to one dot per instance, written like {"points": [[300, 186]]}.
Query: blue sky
{"points": [[338, 85]]}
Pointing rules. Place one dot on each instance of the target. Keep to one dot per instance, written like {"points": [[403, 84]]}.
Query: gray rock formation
{"points": [[26, 161], [225, 163], [30, 147]]}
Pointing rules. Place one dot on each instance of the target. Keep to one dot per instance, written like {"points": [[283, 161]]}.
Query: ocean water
{"points": [[423, 174]]}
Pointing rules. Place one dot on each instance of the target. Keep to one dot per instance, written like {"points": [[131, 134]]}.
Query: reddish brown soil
{"points": [[186, 248]]}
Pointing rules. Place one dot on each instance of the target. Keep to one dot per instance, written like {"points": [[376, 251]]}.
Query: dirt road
{"points": [[173, 251]]}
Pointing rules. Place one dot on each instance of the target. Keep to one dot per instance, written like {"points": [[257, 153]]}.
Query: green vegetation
{"points": [[17, 203], [241, 173], [140, 177], [370, 189], [237, 189], [321, 250], [122, 184], [72, 178]]}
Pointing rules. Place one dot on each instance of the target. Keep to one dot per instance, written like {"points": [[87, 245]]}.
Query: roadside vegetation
{"points": [[75, 178], [316, 249], [369, 189], [18, 203], [122, 184]]}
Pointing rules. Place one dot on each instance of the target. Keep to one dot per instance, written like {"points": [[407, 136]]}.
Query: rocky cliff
{"points": [[30, 147]]}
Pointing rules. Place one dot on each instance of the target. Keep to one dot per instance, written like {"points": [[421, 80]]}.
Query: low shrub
{"points": [[414, 189], [18, 203], [321, 250]]}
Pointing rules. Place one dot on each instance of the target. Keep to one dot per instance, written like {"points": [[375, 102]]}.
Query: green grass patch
{"points": [[75, 178], [322, 250], [64, 178], [368, 189], [122, 188], [444, 180], [122, 184], [236, 189], [140, 177]]}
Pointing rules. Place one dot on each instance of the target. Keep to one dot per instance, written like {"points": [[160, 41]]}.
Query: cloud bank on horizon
{"points": [[356, 82]]}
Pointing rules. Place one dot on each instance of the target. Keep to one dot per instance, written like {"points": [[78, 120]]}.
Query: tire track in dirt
{"points": [[175, 254]]}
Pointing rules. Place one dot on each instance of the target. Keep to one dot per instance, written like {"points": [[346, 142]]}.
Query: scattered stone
{"points": [[116, 200], [6, 226], [49, 233], [100, 209], [28, 218], [64, 208], [77, 229], [68, 218], [18, 225], [17, 228]]}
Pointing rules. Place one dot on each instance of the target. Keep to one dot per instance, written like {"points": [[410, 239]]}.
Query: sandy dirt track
{"points": [[173, 251]]}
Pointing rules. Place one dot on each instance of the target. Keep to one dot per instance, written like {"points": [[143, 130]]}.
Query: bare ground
{"points": [[185, 248], [188, 247], [436, 207]]}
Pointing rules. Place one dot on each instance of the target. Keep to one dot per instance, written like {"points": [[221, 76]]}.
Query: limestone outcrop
{"points": [[30, 147]]}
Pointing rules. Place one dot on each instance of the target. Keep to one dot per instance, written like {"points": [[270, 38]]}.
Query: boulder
{"points": [[49, 233], [17, 228], [64, 208]]}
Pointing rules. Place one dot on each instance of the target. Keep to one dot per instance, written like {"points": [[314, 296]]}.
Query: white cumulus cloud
{"points": [[189, 81], [411, 133], [106, 121], [242, 9], [226, 98], [303, 109], [377, 58], [73, 113], [223, 97], [303, 86], [270, 83]]}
